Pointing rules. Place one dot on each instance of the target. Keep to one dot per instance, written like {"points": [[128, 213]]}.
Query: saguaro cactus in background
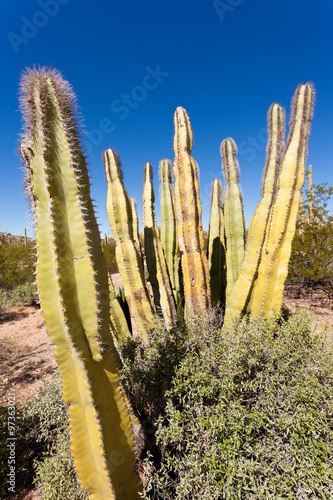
{"points": [[188, 212], [127, 251], [233, 212], [273, 267], [168, 233], [310, 196], [73, 289], [239, 297], [157, 268], [216, 247]]}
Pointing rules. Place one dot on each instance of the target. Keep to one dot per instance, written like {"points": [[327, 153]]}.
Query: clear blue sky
{"points": [[132, 63]]}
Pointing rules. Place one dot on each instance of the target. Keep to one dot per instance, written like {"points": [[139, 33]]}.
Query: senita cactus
{"points": [[216, 247], [239, 297], [156, 264], [168, 233], [127, 251], [273, 267], [73, 289], [188, 212], [233, 213]]}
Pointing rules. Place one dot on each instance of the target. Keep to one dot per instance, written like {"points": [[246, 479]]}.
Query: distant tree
{"points": [[311, 262]]}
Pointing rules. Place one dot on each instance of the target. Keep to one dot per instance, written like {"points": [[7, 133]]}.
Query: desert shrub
{"points": [[244, 415], [311, 261], [18, 296], [17, 265]]}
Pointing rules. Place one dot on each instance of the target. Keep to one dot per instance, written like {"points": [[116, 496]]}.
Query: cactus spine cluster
{"points": [[80, 307], [73, 290]]}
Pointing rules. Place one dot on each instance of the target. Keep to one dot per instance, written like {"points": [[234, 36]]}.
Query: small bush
{"points": [[246, 415], [17, 265], [19, 296]]}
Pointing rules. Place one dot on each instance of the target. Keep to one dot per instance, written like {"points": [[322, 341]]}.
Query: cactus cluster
{"points": [[171, 274]]}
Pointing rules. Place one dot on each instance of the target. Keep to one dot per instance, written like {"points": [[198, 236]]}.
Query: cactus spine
{"points": [[168, 233], [216, 246], [273, 268], [73, 289], [156, 264], [188, 212], [233, 213], [127, 252], [241, 291]]}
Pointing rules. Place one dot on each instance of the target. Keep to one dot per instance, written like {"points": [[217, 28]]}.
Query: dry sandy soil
{"points": [[26, 352]]}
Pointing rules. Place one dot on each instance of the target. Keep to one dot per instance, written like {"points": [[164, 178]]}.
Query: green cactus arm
{"points": [[135, 225], [310, 195], [273, 268], [156, 264], [233, 213], [127, 253], [216, 247], [168, 234], [72, 291], [188, 212], [119, 324], [241, 291]]}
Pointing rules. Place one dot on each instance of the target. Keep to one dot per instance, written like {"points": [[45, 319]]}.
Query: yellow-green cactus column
{"points": [[127, 252], [240, 295], [156, 264], [216, 247], [73, 289], [233, 213], [188, 212], [168, 233], [273, 269]]}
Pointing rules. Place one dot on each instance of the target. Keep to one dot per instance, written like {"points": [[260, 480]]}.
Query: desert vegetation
{"points": [[191, 380]]}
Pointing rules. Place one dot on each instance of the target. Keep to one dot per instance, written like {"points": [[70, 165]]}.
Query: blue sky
{"points": [[132, 63]]}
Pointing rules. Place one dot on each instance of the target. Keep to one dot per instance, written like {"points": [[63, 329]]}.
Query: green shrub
{"points": [[18, 296], [247, 415], [17, 265]]}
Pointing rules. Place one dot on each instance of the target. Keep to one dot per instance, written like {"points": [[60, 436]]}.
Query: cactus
{"points": [[135, 224], [273, 268], [168, 233], [73, 289], [127, 252], [156, 264], [216, 247], [240, 295], [188, 212], [310, 196], [233, 213]]}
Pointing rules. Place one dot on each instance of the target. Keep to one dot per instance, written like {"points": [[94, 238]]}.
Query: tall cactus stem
{"points": [[273, 268], [233, 213], [168, 233], [216, 247], [310, 194], [127, 252], [156, 264], [73, 289], [241, 291], [189, 223]]}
